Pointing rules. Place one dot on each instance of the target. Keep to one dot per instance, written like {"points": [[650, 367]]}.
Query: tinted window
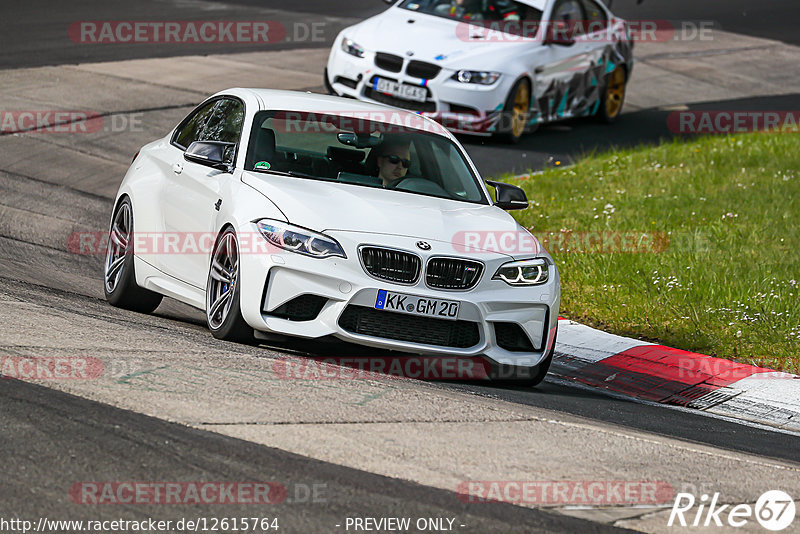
{"points": [[569, 11], [219, 120], [191, 129], [349, 150], [569, 17], [595, 16], [225, 123], [475, 11]]}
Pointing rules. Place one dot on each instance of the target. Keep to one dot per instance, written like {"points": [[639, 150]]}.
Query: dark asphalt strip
{"points": [[658, 419], [52, 440]]}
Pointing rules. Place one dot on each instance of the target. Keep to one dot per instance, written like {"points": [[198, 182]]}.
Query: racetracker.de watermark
{"points": [[566, 492], [596, 242], [729, 122], [592, 31], [331, 122], [167, 243], [50, 367], [67, 122], [94, 32], [382, 367], [195, 492]]}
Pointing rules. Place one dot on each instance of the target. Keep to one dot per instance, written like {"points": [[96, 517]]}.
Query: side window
{"points": [[220, 120], [191, 130], [595, 16], [225, 123], [569, 13]]}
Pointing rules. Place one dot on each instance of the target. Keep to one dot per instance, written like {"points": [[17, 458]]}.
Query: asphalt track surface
{"points": [[51, 439], [37, 35], [101, 443], [34, 33]]}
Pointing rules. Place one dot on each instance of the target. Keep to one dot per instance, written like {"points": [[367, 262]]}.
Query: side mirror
{"points": [[214, 154], [509, 197], [559, 33]]}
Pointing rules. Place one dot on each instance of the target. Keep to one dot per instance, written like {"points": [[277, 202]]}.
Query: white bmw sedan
{"points": [[488, 67], [313, 216]]}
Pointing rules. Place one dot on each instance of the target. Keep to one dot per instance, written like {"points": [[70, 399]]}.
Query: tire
{"points": [[514, 118], [223, 308], [119, 277], [613, 96]]}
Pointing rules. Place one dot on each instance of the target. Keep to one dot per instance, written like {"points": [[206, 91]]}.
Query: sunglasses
{"points": [[394, 160]]}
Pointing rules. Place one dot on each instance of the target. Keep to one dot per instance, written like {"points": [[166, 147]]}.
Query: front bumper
{"points": [[270, 281], [460, 107]]}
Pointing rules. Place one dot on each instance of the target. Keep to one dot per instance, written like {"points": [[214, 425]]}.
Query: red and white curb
{"points": [[661, 374]]}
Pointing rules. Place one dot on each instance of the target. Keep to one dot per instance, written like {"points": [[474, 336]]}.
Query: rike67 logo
{"points": [[774, 510]]}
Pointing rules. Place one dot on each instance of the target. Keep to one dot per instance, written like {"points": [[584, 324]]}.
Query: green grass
{"points": [[722, 274]]}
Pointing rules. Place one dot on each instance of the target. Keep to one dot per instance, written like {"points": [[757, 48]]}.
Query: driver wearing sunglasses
{"points": [[393, 162]]}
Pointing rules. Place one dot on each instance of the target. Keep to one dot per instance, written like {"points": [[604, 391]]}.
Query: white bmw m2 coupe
{"points": [[282, 213]]}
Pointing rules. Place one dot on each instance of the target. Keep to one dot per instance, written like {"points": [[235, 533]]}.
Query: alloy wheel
{"points": [[222, 280]]}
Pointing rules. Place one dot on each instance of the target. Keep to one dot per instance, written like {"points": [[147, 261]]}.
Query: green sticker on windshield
{"points": [[262, 165]]}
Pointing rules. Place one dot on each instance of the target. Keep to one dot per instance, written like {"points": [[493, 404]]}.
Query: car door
{"points": [[598, 43], [560, 64], [190, 198]]}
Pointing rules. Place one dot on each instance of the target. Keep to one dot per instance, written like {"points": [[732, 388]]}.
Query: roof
{"points": [[274, 99]]}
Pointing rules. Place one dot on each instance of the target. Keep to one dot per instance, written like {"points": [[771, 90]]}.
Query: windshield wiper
{"points": [[294, 174]]}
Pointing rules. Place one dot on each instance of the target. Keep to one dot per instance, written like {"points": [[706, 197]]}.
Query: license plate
{"points": [[415, 305], [401, 90]]}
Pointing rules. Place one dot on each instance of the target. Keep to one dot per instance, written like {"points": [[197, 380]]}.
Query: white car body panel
{"points": [[165, 201]]}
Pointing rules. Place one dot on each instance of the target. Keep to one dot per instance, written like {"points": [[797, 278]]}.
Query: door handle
{"points": [[177, 168]]}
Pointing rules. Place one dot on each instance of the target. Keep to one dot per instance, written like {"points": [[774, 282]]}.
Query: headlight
{"points": [[524, 273], [300, 240], [350, 46], [475, 76]]}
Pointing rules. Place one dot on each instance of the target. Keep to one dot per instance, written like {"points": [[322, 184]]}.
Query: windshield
{"points": [[364, 151], [475, 11]]}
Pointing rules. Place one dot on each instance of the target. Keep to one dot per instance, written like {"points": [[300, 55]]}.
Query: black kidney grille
{"points": [[402, 327], [420, 69], [391, 265], [453, 273], [389, 62]]}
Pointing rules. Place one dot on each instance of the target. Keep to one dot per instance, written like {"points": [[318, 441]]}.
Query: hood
{"points": [[326, 206], [433, 39]]}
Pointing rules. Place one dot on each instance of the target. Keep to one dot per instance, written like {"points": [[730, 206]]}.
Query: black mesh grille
{"points": [[346, 81], [302, 308], [389, 62], [391, 265], [511, 337], [420, 69], [402, 327], [453, 273], [465, 110]]}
